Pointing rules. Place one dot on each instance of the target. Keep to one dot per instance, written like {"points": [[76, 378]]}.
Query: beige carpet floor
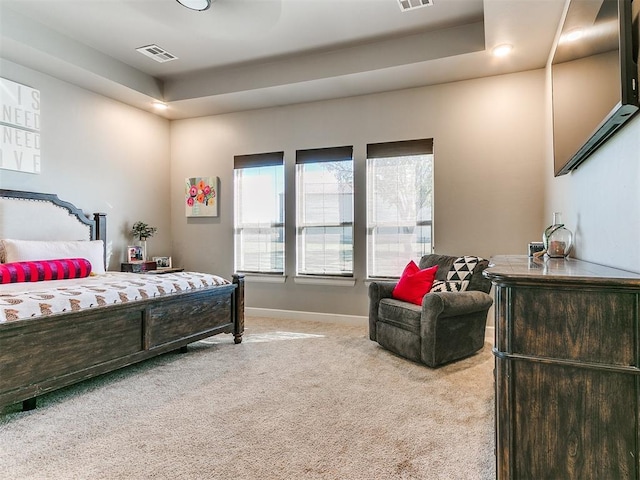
{"points": [[295, 400]]}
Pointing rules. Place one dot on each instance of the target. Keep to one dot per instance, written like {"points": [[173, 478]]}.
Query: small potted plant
{"points": [[142, 231]]}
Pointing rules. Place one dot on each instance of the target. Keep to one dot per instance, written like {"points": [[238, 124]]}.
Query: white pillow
{"points": [[29, 250]]}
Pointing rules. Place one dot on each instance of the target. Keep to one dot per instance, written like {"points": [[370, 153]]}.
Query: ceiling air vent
{"points": [[406, 5], [157, 53]]}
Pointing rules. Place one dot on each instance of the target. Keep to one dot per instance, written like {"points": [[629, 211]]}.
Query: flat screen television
{"points": [[594, 73]]}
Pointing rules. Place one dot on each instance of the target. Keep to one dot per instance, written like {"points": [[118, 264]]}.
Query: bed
{"points": [[111, 319]]}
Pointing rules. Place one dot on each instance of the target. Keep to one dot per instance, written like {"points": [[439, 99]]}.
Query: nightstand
{"points": [[161, 270], [138, 267]]}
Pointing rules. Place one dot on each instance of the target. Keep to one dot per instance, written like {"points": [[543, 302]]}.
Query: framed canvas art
{"points": [[20, 146], [201, 196]]}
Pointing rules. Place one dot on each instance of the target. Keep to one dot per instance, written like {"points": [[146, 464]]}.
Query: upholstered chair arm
{"points": [[453, 304], [452, 325], [377, 291]]}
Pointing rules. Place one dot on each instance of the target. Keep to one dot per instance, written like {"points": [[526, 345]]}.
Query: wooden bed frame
{"points": [[46, 353]]}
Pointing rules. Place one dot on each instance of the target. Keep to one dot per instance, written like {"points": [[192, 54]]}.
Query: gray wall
{"points": [[489, 143], [494, 186], [101, 155], [600, 201]]}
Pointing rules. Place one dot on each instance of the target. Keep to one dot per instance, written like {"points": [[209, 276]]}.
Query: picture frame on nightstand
{"points": [[163, 262], [135, 254]]}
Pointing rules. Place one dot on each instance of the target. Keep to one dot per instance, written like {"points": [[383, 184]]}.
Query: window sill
{"points": [[369, 281], [264, 278], [332, 281]]}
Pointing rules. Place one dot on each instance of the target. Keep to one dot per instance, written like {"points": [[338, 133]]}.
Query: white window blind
{"points": [[324, 185], [259, 213], [399, 205]]}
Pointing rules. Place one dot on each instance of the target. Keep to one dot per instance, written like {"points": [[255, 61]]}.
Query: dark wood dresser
{"points": [[567, 370]]}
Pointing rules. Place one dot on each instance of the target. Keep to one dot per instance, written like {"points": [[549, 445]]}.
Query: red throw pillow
{"points": [[39, 270], [414, 283]]}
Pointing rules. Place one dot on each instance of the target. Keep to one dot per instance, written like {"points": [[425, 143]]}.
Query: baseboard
{"points": [[309, 316], [328, 317], [489, 334]]}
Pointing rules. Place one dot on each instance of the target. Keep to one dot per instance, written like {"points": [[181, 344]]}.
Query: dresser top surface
{"points": [[514, 268]]}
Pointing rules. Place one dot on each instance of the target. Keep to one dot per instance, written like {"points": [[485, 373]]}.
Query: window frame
{"points": [[252, 161], [319, 156], [386, 150]]}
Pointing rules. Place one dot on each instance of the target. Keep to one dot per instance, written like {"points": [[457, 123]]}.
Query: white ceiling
{"points": [[245, 54]]}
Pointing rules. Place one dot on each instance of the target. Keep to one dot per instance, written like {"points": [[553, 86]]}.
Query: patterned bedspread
{"points": [[29, 300]]}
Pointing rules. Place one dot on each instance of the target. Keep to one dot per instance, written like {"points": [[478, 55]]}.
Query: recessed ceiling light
{"points": [[160, 105], [575, 34], [502, 50], [195, 4]]}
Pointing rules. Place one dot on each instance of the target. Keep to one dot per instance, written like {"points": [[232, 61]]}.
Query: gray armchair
{"points": [[448, 326]]}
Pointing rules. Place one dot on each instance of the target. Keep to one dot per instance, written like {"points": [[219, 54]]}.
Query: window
{"points": [[324, 185], [399, 205], [259, 213]]}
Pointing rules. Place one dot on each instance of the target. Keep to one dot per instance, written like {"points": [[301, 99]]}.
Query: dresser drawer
{"points": [[593, 326]]}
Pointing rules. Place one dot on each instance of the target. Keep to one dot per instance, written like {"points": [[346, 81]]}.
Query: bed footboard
{"points": [[44, 354]]}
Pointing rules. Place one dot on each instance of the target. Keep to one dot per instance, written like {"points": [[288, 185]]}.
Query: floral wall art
{"points": [[201, 196]]}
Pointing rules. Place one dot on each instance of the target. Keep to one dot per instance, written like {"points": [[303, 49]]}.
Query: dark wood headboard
{"points": [[31, 228]]}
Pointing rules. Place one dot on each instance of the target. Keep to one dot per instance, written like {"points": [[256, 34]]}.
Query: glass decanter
{"points": [[557, 239]]}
